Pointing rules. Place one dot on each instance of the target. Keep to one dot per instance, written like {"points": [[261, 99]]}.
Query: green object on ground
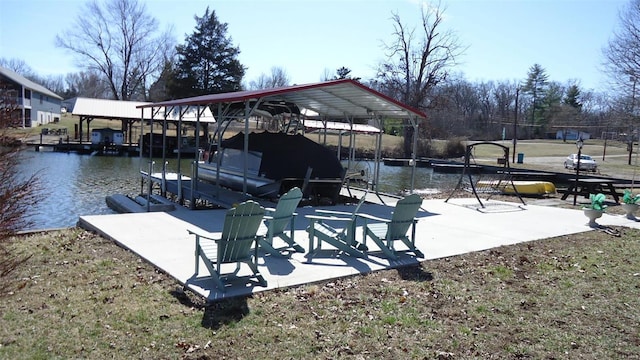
{"points": [[629, 198], [597, 201]]}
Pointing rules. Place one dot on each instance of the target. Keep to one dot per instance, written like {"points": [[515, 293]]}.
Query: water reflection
{"points": [[76, 185], [397, 179]]}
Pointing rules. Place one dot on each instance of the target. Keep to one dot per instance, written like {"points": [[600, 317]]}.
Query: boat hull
{"points": [[256, 185]]}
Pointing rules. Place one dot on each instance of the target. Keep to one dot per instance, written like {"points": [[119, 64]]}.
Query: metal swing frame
{"points": [[466, 170]]}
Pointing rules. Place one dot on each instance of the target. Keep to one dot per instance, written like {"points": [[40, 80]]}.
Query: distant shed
{"points": [[107, 136], [572, 135]]}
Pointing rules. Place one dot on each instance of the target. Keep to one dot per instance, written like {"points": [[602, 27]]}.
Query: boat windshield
{"points": [[233, 159]]}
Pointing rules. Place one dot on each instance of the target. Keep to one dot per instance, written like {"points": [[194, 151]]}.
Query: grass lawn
{"points": [[577, 296], [538, 148]]}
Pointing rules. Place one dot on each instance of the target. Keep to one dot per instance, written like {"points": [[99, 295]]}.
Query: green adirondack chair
{"points": [[342, 239], [385, 232], [276, 222], [236, 245]]}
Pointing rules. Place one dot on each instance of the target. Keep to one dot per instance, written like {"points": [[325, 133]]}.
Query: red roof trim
{"points": [[257, 94]]}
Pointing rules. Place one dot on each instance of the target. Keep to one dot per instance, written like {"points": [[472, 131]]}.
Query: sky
{"points": [[307, 38]]}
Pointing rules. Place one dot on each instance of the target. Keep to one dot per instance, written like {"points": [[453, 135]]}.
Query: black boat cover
{"points": [[289, 156]]}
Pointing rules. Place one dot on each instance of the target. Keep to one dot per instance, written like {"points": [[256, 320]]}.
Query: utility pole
{"points": [[579, 144], [515, 128], [606, 132], [633, 114]]}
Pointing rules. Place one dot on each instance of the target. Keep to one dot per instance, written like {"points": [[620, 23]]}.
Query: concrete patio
{"points": [[444, 229]]}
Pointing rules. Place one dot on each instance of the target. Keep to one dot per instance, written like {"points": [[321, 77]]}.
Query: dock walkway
{"points": [[444, 229]]}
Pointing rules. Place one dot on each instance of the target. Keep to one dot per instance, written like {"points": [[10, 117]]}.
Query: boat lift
{"points": [[336, 100]]}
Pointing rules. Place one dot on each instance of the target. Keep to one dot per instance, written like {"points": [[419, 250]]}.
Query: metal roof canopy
{"points": [[333, 99], [121, 109], [344, 99]]}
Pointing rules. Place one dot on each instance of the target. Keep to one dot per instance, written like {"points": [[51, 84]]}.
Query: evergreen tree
{"points": [[207, 63], [159, 90], [571, 113], [572, 98], [536, 86], [551, 110], [344, 73]]}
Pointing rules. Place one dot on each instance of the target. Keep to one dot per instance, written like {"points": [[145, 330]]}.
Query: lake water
{"points": [[76, 185]]}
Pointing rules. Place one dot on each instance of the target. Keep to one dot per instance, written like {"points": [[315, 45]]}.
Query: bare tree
{"points": [[278, 78], [87, 84], [120, 40], [54, 83], [504, 97], [417, 63], [622, 63], [17, 192], [486, 116], [326, 75], [457, 100], [622, 54], [16, 65]]}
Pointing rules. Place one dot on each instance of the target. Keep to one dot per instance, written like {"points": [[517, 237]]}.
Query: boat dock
{"points": [[82, 147], [220, 196]]}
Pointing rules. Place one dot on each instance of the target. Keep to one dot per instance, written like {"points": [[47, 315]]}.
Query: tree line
{"points": [[124, 55]]}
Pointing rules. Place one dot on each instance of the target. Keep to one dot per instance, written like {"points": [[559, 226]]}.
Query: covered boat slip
{"points": [[346, 102], [128, 114]]}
